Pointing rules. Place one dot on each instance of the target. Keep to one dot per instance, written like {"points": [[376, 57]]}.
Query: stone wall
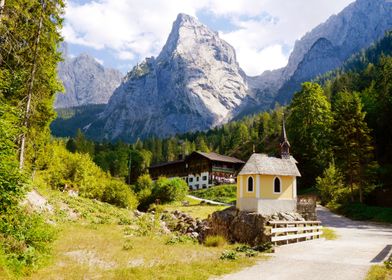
{"points": [[245, 227], [306, 207]]}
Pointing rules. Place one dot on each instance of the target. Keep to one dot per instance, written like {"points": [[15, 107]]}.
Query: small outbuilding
{"points": [[268, 185]]}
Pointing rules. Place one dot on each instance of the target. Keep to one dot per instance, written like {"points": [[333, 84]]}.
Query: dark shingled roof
{"points": [[167, 163], [264, 164], [217, 157]]}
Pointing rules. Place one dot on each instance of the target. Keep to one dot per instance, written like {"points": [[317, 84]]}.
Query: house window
{"points": [[277, 185], [197, 179], [190, 180], [204, 186], [250, 184], [204, 178], [197, 186]]}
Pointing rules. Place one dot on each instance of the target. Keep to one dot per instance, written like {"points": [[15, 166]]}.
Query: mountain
{"points": [[331, 43], [194, 84], [85, 81]]}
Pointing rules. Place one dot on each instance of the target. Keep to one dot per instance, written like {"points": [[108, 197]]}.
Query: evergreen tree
{"points": [[30, 35], [309, 129], [352, 141], [201, 144]]}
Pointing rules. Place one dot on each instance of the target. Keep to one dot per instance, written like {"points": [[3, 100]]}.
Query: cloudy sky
{"points": [[120, 33]]}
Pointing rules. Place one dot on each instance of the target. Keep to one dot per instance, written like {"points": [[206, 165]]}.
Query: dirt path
{"points": [[209, 201], [359, 245]]}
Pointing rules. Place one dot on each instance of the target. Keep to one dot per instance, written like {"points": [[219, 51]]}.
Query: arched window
{"points": [[277, 185], [250, 184]]}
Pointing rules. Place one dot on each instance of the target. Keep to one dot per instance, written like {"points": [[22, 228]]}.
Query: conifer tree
{"points": [[309, 128], [352, 141], [30, 35]]}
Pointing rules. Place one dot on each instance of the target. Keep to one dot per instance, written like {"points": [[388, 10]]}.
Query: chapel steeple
{"points": [[284, 143]]}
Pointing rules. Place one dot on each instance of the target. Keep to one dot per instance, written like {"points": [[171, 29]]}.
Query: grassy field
{"points": [[223, 193], [105, 252], [100, 241], [195, 209]]}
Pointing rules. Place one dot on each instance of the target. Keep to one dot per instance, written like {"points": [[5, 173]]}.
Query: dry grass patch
{"points": [[215, 241], [103, 251], [379, 272], [329, 234]]}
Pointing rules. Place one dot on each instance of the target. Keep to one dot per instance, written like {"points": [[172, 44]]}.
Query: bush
{"points": [[60, 169], [229, 255], [358, 211], [26, 239], [119, 194], [143, 183], [12, 186], [180, 239], [168, 190], [215, 241], [331, 187]]}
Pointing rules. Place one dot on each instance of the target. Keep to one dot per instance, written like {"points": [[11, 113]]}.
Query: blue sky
{"points": [[121, 33]]}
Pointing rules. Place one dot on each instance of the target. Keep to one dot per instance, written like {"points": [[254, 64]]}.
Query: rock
{"points": [[85, 81], [243, 227], [37, 202], [137, 213], [194, 84]]}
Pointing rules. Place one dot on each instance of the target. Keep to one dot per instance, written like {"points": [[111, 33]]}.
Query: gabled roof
{"points": [[266, 165], [167, 163], [217, 157]]}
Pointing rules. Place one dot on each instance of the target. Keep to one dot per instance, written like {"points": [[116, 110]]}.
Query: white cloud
{"points": [[135, 29]]}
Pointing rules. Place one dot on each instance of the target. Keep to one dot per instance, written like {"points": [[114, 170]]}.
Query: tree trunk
{"points": [[30, 90], [2, 4]]}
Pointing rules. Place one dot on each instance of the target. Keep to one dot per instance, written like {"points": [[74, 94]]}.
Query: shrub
{"points": [[388, 263], [168, 190], [215, 241], [25, 238], [60, 169], [144, 182], [330, 185], [263, 247], [229, 255], [119, 194], [12, 186], [180, 239]]}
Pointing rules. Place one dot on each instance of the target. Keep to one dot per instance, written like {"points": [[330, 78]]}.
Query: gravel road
{"points": [[359, 245]]}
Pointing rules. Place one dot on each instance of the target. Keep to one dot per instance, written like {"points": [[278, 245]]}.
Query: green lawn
{"points": [[195, 209], [100, 241], [222, 193], [83, 251]]}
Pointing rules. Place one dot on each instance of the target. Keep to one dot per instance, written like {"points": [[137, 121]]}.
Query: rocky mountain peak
{"points": [[86, 81], [195, 83]]}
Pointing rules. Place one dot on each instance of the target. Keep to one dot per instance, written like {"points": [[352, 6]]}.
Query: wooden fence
{"points": [[294, 231]]}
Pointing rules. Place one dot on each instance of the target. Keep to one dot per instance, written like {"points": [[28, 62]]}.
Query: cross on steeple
{"points": [[284, 143]]}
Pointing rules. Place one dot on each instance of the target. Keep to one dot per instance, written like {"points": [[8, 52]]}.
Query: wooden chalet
{"points": [[200, 170]]}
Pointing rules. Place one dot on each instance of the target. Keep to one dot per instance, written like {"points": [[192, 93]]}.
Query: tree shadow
{"points": [[383, 254]]}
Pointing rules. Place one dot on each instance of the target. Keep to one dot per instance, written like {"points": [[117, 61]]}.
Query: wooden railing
{"points": [[294, 231]]}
